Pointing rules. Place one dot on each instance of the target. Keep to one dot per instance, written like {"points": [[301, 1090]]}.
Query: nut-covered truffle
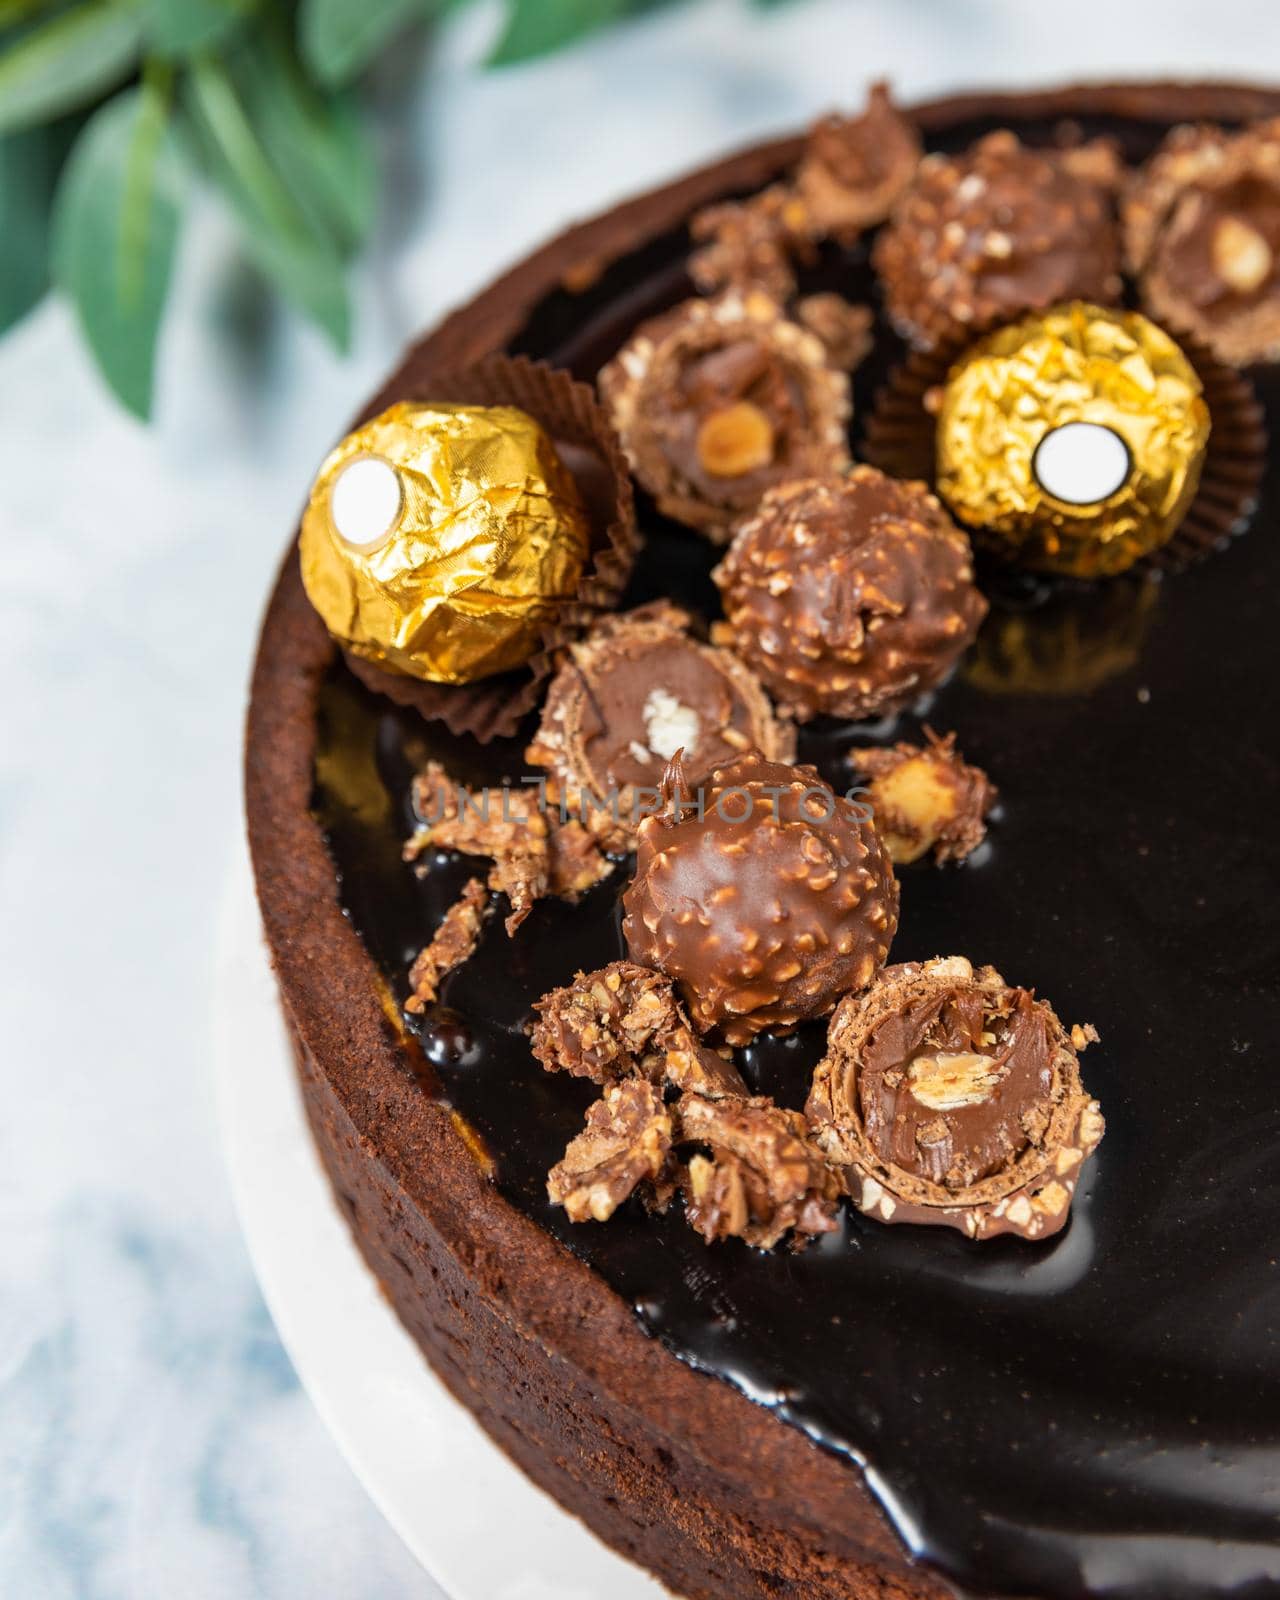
{"points": [[630, 695], [950, 1098], [764, 895], [1202, 235], [854, 168], [718, 399], [925, 798], [849, 596], [764, 1176], [998, 230], [1073, 438]]}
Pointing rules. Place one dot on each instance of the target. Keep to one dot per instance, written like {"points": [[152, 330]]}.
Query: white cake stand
{"points": [[472, 1518]]}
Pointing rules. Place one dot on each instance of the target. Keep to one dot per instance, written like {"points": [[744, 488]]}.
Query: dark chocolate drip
{"points": [[1097, 1415]]}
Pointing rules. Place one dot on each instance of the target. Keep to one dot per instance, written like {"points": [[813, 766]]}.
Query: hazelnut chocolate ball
{"points": [[1202, 234], [950, 1097], [717, 400], [636, 690], [1001, 229], [764, 894], [849, 596]]}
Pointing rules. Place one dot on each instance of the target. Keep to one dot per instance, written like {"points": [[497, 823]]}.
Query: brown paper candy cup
{"points": [[494, 707], [900, 430]]}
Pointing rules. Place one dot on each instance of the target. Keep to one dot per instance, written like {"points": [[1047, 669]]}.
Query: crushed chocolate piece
{"points": [[607, 1025], [844, 328], [637, 689], [849, 596], [530, 858], [693, 1068], [625, 1145], [764, 1179], [452, 943], [622, 1022], [1202, 235], [854, 168], [979, 237], [577, 861], [716, 400], [949, 1098], [752, 243], [765, 897], [925, 798]]}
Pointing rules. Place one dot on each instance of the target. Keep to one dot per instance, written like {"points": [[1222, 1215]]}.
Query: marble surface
{"points": [[153, 1438]]}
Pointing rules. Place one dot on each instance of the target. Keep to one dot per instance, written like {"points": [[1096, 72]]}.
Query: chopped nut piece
{"points": [[949, 1098], [854, 168], [607, 1025], [764, 1177], [751, 244], [1242, 257], [845, 329], [624, 1145], [925, 798], [454, 940], [735, 440], [694, 1068], [1202, 233]]}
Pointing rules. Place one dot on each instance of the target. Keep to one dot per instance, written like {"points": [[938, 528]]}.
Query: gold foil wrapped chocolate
{"points": [[1074, 439], [440, 540]]}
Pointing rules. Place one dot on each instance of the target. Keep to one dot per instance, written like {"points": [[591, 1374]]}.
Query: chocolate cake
{"points": [[675, 1265]]}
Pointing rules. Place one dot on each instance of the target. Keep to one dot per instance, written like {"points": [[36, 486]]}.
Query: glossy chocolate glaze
{"points": [[1096, 1415]]}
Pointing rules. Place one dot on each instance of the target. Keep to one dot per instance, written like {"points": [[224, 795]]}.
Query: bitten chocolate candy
{"points": [[764, 895], [1202, 235], [849, 596], [926, 798], [980, 237], [854, 168], [950, 1098], [635, 691], [718, 399], [1074, 439]]}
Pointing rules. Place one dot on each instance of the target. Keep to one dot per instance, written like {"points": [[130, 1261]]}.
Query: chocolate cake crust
{"points": [[719, 1496]]}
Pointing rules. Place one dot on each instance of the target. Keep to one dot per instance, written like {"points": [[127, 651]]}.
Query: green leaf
{"points": [[28, 168], [176, 28], [537, 27], [339, 38], [315, 141], [115, 229], [65, 63], [303, 264]]}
